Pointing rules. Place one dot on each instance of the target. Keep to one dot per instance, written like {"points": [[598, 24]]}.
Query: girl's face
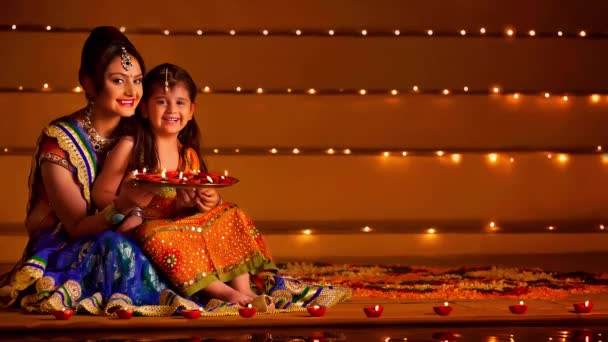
{"points": [[168, 112], [122, 89]]}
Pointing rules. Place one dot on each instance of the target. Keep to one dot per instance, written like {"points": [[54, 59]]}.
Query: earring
{"points": [[90, 105]]}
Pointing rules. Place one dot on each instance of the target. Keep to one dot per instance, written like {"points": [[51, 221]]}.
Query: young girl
{"points": [[199, 242]]}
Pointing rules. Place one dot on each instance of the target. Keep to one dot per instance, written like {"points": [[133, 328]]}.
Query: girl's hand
{"points": [[207, 199]]}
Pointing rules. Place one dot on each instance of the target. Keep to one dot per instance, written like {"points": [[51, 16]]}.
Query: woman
{"points": [[74, 257]]}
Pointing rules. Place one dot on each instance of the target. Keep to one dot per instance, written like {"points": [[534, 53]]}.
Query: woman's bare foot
{"points": [[221, 291]]}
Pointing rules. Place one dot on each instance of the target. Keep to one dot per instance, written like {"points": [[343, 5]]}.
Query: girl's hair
{"points": [[103, 45], [145, 151]]}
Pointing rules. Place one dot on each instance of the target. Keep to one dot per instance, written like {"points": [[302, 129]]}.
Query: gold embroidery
{"points": [[76, 158]]}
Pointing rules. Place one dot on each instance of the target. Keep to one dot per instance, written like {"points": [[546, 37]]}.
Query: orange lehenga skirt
{"points": [[196, 250]]}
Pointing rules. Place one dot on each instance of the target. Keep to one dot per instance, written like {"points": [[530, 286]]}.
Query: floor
{"points": [[346, 319]]}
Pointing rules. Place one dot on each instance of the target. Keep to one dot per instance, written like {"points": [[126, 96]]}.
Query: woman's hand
{"points": [[186, 198], [207, 199], [133, 195]]}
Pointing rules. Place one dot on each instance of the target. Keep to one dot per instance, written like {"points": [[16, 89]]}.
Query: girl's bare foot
{"points": [[221, 291], [241, 284]]}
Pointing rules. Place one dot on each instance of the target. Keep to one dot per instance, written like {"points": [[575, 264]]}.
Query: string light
{"points": [[493, 226], [566, 95], [431, 231], [77, 89], [366, 229], [493, 157], [551, 228], [456, 155], [123, 29], [307, 231], [428, 32], [207, 89]]}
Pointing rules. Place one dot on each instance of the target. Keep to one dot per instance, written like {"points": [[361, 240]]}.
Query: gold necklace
{"points": [[98, 141]]}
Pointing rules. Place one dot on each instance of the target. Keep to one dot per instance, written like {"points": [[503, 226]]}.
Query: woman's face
{"points": [[168, 112], [122, 89]]}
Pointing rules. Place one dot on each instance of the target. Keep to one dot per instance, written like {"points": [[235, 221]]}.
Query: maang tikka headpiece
{"points": [[125, 59], [166, 80]]}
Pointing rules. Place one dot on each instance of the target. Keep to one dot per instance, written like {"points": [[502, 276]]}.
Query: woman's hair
{"points": [[103, 45], [145, 151]]}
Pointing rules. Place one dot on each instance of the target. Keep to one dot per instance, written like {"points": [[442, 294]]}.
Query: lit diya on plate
{"points": [[179, 179]]}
